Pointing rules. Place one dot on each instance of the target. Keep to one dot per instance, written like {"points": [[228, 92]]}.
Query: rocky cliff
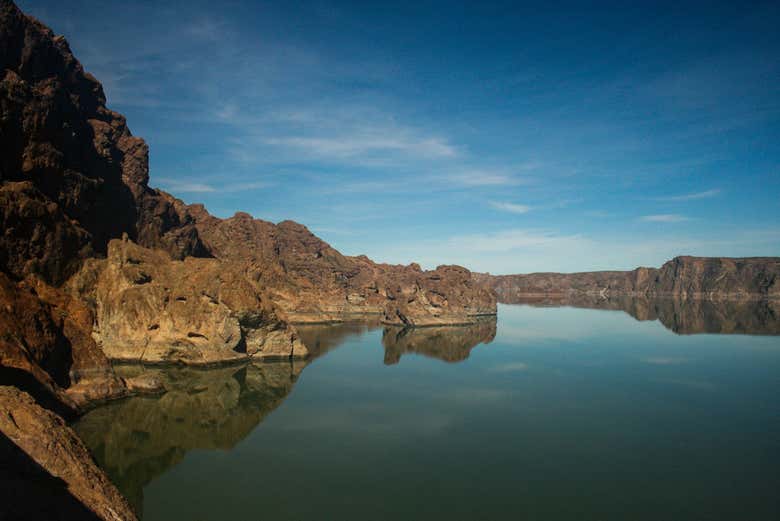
{"points": [[681, 277], [97, 265], [180, 285], [312, 282]]}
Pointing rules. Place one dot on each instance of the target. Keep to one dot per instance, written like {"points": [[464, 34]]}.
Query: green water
{"points": [[563, 414]]}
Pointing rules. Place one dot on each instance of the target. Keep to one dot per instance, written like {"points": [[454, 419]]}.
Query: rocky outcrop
{"points": [[312, 282], [681, 277], [73, 179], [150, 308], [46, 348], [47, 472], [95, 264]]}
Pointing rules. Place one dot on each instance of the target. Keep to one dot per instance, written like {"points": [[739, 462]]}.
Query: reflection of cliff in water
{"points": [[450, 344], [139, 438], [321, 338], [684, 317]]}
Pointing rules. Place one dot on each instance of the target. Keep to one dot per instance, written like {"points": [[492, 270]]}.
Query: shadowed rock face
{"points": [[449, 344], [682, 277], [47, 472], [46, 349], [684, 317], [73, 176], [137, 439]]}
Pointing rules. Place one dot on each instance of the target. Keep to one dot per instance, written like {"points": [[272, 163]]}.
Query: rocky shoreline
{"points": [[97, 266], [684, 277]]}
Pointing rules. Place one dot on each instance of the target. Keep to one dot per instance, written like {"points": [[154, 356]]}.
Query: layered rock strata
{"points": [[752, 278]]}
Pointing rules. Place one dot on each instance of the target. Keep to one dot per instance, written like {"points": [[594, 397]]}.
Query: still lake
{"points": [[547, 413]]}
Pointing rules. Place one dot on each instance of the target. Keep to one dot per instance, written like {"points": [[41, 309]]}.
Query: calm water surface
{"points": [[552, 413]]}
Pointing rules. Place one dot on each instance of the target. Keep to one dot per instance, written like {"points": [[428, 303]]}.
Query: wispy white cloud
{"points": [[515, 240], [481, 178], [176, 185], [664, 218], [692, 196], [531, 250], [510, 207], [182, 186], [358, 144]]}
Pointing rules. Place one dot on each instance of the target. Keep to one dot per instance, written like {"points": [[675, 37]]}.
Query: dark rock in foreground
{"points": [[47, 472]]}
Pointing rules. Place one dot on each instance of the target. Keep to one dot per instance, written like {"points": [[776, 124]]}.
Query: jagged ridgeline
{"points": [[86, 238]]}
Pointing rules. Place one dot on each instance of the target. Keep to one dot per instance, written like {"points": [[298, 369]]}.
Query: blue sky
{"points": [[505, 137]]}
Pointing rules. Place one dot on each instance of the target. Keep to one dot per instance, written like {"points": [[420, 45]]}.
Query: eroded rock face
{"points": [[312, 282], [681, 277], [50, 473], [46, 349], [73, 179], [73, 175], [154, 309]]}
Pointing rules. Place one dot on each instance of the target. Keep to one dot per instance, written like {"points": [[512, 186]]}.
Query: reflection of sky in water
{"points": [[568, 413]]}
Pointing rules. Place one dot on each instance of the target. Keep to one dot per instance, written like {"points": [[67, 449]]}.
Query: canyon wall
{"points": [[155, 279], [752, 278], [96, 265]]}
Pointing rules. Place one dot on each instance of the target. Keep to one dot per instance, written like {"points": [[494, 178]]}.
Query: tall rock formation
{"points": [[73, 179], [95, 264]]}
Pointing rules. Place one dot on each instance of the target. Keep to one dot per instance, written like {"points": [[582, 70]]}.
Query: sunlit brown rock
{"points": [[313, 282], [154, 309]]}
